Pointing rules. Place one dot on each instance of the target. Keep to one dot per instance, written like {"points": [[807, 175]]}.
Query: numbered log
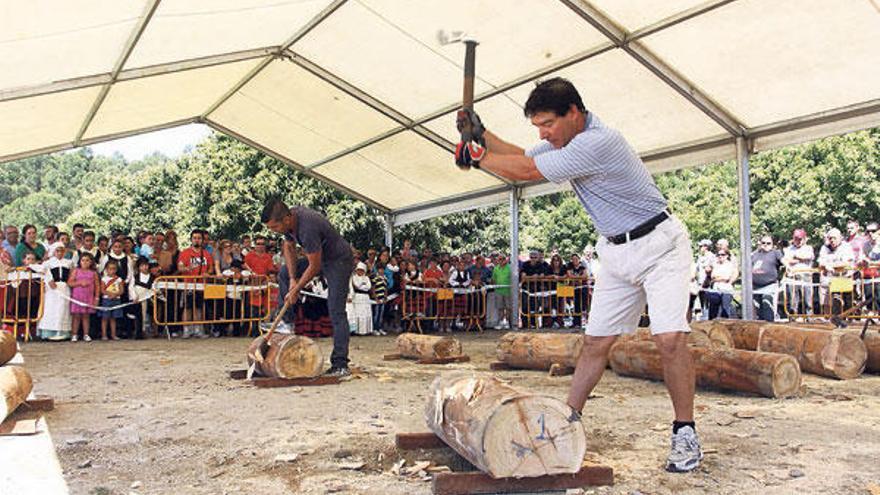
{"points": [[417, 346], [288, 356], [505, 432], [761, 373], [8, 347], [835, 354], [540, 351], [15, 385]]}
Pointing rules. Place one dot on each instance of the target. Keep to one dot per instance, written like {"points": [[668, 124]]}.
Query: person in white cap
{"points": [[55, 323]]}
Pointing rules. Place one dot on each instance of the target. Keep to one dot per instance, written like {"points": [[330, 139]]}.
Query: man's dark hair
{"points": [[275, 210], [555, 95], [78, 226], [89, 233], [260, 238], [194, 232], [101, 239]]}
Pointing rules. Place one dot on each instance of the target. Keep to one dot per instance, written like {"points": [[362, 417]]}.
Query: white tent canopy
{"points": [[360, 94]]}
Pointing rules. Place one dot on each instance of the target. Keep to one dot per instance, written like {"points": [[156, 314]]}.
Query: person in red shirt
{"points": [[194, 261], [260, 263]]}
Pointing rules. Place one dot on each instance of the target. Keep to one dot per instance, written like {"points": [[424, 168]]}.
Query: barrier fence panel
{"points": [[208, 300], [548, 301], [21, 293], [811, 294], [437, 303]]}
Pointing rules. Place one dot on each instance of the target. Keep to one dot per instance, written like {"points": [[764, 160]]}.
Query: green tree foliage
{"points": [[222, 185]]}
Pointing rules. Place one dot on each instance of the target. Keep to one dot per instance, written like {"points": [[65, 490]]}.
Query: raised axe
{"points": [[445, 37], [267, 340]]}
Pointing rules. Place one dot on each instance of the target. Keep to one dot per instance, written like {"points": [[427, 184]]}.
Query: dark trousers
{"points": [[337, 273], [766, 311]]}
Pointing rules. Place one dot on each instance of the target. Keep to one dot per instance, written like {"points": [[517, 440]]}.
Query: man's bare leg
{"points": [[678, 373], [590, 367]]}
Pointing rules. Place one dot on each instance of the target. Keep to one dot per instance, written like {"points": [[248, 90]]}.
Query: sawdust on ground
{"points": [[162, 417]]}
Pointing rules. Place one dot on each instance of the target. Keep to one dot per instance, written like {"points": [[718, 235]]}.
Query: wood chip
{"points": [[725, 421], [746, 414], [873, 489], [285, 458], [352, 466], [415, 468], [395, 469]]}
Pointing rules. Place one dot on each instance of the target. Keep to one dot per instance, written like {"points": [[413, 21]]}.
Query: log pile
{"points": [[761, 373], [504, 432], [713, 337], [417, 346], [835, 354], [288, 356], [539, 351]]}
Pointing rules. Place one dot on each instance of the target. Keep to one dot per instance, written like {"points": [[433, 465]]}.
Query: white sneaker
{"points": [[73, 339], [686, 453], [86, 338]]}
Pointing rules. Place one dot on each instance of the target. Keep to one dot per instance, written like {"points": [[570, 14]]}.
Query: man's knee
{"points": [[597, 346], [671, 343]]}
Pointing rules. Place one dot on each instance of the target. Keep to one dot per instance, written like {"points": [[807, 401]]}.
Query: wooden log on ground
{"points": [[288, 356], [418, 346], [539, 351], [15, 385], [504, 432], [8, 347], [716, 337], [871, 341], [835, 354], [761, 373], [743, 333]]}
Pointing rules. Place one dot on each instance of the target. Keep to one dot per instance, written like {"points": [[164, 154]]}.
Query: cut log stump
{"points": [[288, 356], [8, 347], [15, 385], [761, 373], [504, 432]]}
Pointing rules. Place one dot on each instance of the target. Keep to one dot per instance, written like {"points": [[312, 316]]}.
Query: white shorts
{"points": [[654, 269]]}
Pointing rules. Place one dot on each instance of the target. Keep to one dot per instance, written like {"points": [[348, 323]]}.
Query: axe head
{"points": [[446, 37]]}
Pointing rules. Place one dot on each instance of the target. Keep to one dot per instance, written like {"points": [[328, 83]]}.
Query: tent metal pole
{"points": [[745, 226], [515, 193], [389, 231]]}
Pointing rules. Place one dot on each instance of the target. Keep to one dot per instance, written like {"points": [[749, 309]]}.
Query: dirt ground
{"points": [[162, 417]]}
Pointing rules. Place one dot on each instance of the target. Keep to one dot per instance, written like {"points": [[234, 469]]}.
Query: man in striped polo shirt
{"points": [[645, 251]]}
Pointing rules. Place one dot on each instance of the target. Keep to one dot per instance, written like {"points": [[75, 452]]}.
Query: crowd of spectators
{"points": [[100, 286], [791, 278]]}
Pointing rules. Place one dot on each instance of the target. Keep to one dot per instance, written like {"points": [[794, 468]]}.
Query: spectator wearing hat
{"points": [[836, 259], [766, 262], [702, 271], [724, 274], [798, 259], [360, 312]]}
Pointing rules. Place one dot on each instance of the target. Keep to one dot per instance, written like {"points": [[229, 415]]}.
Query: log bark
{"points": [[15, 385], [761, 373], [417, 346], [539, 351], [743, 334], [504, 432], [871, 341], [289, 356], [716, 338], [8, 347], [835, 354]]}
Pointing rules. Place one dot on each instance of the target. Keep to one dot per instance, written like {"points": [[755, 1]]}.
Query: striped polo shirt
{"points": [[607, 176]]}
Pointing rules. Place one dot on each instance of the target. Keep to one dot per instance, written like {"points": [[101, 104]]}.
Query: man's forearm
{"points": [[497, 145], [514, 167], [289, 259]]}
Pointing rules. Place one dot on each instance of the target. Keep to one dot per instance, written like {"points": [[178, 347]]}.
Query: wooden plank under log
{"points": [[504, 432], [446, 360], [40, 403], [421, 440], [273, 382], [480, 483], [761, 373], [835, 354]]}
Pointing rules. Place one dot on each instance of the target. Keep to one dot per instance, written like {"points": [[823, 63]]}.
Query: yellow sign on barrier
{"points": [[444, 294], [214, 291], [563, 290], [840, 284]]}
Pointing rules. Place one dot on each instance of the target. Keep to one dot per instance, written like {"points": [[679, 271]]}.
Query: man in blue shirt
{"points": [[645, 251]]}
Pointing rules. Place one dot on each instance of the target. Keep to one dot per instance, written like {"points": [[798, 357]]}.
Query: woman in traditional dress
{"points": [[55, 323], [360, 314]]}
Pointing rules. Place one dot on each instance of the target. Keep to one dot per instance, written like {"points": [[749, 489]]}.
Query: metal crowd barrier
{"points": [[806, 294], [437, 303], [21, 292], [552, 299], [217, 299]]}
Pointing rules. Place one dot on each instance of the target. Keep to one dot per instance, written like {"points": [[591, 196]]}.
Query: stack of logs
{"points": [[15, 381], [743, 356]]}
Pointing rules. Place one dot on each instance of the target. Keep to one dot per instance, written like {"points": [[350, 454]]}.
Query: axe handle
{"points": [[277, 321], [470, 56]]}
